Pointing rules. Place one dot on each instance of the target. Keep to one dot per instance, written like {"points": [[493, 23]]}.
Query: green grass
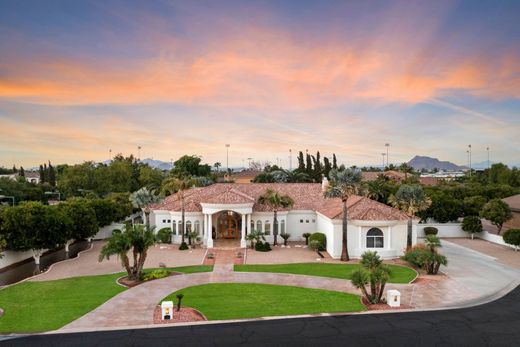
{"points": [[191, 269], [244, 300], [49, 305], [398, 274]]}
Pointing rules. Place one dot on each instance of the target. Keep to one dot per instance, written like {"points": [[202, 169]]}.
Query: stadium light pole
{"points": [[387, 145], [383, 154], [290, 159], [489, 163], [227, 157], [469, 151]]}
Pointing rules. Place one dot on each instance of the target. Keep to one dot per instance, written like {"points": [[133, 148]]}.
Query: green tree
{"points": [[472, 225], [275, 201], [372, 272], [326, 167], [52, 175], [286, 176], [142, 199], [264, 177], [443, 209], [150, 177], [410, 199], [343, 184], [123, 205], [512, 237], [301, 162], [105, 210], [497, 212], [190, 166], [473, 205], [84, 223], [334, 161], [217, 165], [22, 171], [136, 239], [431, 259]]}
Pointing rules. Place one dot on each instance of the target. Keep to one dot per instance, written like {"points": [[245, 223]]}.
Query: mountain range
{"points": [[428, 163]]}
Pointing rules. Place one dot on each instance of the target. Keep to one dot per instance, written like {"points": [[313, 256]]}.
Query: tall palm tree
{"points": [[142, 199], [287, 176], [217, 165], [177, 186], [410, 199], [275, 201], [343, 184]]}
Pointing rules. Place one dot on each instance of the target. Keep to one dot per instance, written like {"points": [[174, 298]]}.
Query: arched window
{"points": [[174, 227], [179, 229], [267, 227], [188, 226], [197, 227], [375, 238], [259, 225], [282, 227]]}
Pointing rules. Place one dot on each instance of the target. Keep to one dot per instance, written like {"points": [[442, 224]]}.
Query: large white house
{"points": [[229, 211]]}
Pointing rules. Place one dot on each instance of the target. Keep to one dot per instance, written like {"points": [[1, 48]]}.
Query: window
{"points": [[267, 227], [301, 220], [169, 221], [252, 225], [188, 226], [179, 229], [307, 221], [259, 225], [174, 228], [164, 220], [197, 227], [282, 227], [314, 220], [375, 238]]}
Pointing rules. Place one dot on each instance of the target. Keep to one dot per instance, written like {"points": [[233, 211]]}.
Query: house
{"points": [[397, 176], [229, 211], [244, 176], [30, 176], [514, 204]]}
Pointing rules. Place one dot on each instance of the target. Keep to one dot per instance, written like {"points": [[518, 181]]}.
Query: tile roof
{"points": [[306, 196]]}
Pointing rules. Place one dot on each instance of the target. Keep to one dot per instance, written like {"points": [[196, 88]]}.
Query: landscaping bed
{"points": [[398, 273], [186, 314]]}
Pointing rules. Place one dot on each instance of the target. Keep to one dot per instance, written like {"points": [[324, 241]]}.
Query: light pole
{"points": [[249, 162], [138, 152], [383, 154], [469, 152], [489, 163], [109, 155], [227, 157], [387, 145]]}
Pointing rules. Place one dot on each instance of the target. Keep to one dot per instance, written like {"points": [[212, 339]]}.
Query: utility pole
{"points": [[109, 155], [489, 163], [383, 154], [290, 159], [138, 152], [469, 153], [387, 145]]}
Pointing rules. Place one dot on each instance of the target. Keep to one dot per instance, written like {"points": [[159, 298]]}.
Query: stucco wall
{"points": [[296, 228], [445, 229], [11, 257]]}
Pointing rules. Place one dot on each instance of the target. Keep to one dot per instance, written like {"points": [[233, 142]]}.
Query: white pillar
{"points": [[389, 241], [243, 234], [171, 226], [210, 234], [248, 223], [360, 237]]}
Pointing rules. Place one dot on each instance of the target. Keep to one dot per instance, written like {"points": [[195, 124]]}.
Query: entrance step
{"points": [[226, 258]]}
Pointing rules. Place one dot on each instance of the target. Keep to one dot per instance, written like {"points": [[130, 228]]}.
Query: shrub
{"points": [[155, 274], [512, 237], [430, 231], [210, 256], [262, 246], [285, 237], [183, 246], [164, 235], [116, 231], [472, 225], [415, 255], [306, 235], [321, 238], [315, 245]]}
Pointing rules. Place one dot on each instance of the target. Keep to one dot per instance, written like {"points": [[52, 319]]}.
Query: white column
{"points": [[204, 229], [171, 226], [210, 234], [360, 238], [389, 241], [243, 234], [248, 223]]}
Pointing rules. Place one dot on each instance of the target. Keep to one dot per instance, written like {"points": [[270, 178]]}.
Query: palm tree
{"points": [[410, 199], [406, 169], [217, 165], [275, 201], [287, 176], [136, 238], [142, 199], [375, 190], [343, 184], [374, 272], [432, 259], [177, 186]]}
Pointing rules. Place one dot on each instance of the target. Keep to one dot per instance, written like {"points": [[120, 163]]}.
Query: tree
{"points": [[123, 205], [301, 162], [217, 165], [22, 172], [142, 199], [274, 200], [286, 176], [135, 238], [150, 177], [34, 226], [84, 223], [410, 199], [443, 209], [431, 259], [264, 177], [373, 272], [42, 174], [472, 225], [326, 167], [52, 175], [334, 161], [105, 211], [178, 186], [473, 205], [343, 184], [189, 166], [497, 212]]}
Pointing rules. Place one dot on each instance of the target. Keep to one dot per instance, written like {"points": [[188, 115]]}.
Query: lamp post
{"points": [[227, 157], [110, 155], [138, 152], [489, 163], [469, 154], [249, 162], [290, 159], [383, 154], [387, 145]]}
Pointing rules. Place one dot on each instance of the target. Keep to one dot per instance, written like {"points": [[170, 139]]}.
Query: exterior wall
{"points": [[394, 238], [332, 229], [11, 257], [445, 229], [296, 228], [106, 231], [165, 219]]}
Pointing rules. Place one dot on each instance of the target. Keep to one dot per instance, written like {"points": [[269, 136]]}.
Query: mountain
{"points": [[157, 164], [428, 163]]}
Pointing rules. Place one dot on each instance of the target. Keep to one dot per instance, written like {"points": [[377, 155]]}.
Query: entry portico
{"points": [[245, 210]]}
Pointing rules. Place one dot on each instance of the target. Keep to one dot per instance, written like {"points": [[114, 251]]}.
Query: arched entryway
{"points": [[229, 226]]}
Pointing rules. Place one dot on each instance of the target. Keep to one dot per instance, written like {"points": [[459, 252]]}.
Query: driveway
{"points": [[477, 271]]}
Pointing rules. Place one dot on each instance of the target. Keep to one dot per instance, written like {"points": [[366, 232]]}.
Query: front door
{"points": [[228, 226]]}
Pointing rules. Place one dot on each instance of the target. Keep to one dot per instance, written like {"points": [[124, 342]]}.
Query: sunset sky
{"points": [[78, 78]]}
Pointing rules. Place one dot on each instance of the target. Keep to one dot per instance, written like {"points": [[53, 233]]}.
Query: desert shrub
{"points": [[415, 255], [183, 246], [321, 238], [262, 246], [164, 235], [430, 231], [315, 245], [306, 235], [155, 274], [512, 237], [285, 237]]}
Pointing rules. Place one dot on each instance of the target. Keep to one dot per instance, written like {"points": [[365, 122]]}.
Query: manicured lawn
{"points": [[191, 269], [244, 300], [41, 306], [398, 274]]}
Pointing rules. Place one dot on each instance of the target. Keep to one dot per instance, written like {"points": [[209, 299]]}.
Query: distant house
{"points": [[514, 204], [245, 176], [30, 176], [397, 176]]}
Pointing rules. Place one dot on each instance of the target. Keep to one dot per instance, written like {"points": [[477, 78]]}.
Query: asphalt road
{"points": [[492, 324]]}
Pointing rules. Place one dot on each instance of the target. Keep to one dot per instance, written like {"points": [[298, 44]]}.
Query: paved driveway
{"points": [[477, 271]]}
